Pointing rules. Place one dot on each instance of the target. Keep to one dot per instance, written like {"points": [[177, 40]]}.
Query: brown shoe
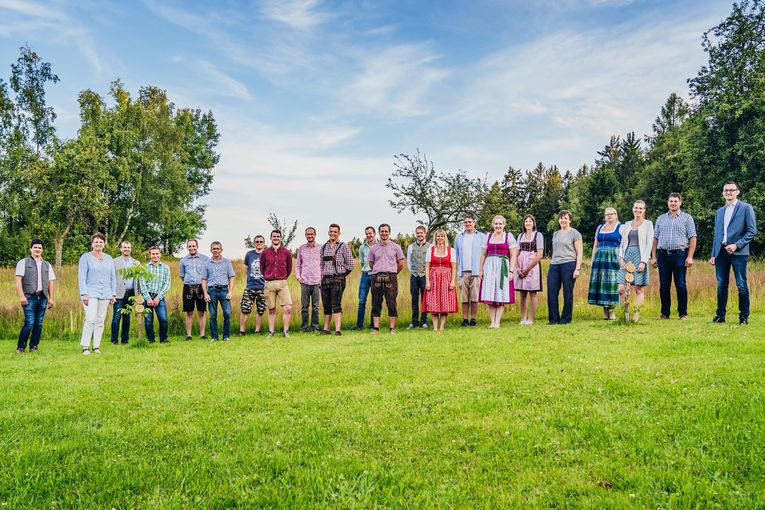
{"points": [[683, 317]]}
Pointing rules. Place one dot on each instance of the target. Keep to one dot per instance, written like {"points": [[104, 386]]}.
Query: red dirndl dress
{"points": [[440, 299]]}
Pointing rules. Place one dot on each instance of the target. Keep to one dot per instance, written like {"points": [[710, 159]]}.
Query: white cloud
{"points": [[296, 14], [225, 84]]}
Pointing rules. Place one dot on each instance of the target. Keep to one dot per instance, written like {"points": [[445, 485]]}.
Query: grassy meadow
{"points": [[594, 414]]}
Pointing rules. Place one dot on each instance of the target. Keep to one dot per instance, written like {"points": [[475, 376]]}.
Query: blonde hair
{"points": [[499, 217], [441, 231], [611, 209]]}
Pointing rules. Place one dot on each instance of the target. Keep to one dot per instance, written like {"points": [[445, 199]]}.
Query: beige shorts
{"points": [[469, 287], [277, 291]]}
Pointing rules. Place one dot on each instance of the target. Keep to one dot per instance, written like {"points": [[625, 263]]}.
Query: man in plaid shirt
{"points": [[154, 291], [336, 263]]}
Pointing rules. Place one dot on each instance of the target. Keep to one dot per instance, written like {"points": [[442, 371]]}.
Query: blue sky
{"points": [[313, 98]]}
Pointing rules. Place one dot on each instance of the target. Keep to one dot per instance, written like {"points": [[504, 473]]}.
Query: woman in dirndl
{"points": [[635, 248], [528, 275], [497, 267], [604, 288], [440, 297]]}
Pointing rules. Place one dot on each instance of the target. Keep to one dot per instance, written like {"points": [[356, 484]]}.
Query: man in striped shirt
{"points": [[154, 291], [674, 243]]}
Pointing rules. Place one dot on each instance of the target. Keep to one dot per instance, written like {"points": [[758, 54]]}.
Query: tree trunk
{"points": [[59, 242]]}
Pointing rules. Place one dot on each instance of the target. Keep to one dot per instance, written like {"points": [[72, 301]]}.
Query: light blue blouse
{"points": [[97, 278]]}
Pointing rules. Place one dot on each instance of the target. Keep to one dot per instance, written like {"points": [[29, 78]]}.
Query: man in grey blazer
{"points": [[125, 290], [735, 227]]}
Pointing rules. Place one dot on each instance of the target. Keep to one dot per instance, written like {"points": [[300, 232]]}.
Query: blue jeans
{"points": [[561, 275], [723, 263], [364, 285], [218, 295], [34, 313], [672, 266], [148, 320], [417, 290], [124, 317]]}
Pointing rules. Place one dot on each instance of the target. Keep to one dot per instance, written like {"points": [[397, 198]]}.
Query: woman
{"points": [[528, 278], [564, 269], [97, 280], [604, 289], [497, 267], [440, 297], [637, 239]]}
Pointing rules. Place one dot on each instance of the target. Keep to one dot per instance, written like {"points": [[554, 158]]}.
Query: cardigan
{"points": [[645, 236]]}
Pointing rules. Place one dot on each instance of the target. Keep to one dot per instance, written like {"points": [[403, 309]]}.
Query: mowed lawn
{"points": [[664, 414]]}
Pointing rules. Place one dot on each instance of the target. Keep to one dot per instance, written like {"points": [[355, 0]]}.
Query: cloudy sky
{"points": [[313, 98]]}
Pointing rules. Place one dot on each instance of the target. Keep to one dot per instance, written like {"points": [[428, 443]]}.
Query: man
{"points": [[276, 266], [735, 227], [674, 243], [415, 261], [365, 283], [125, 290], [154, 291], [308, 273], [253, 292], [336, 264], [386, 260], [34, 285], [468, 246], [190, 270], [218, 287]]}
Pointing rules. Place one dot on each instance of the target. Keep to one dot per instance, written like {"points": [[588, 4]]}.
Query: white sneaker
{"points": [[86, 352]]}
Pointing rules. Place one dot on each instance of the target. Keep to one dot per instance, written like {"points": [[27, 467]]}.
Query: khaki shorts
{"points": [[277, 291], [469, 287]]}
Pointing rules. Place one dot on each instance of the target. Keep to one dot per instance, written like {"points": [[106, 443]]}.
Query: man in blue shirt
{"points": [[735, 227], [190, 271], [218, 287], [468, 246], [253, 292]]}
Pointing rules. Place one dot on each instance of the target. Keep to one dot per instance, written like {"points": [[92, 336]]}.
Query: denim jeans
{"points": [[309, 300], [417, 290], [34, 313], [723, 263], [124, 317], [218, 295], [672, 266], [148, 320], [561, 275], [365, 283]]}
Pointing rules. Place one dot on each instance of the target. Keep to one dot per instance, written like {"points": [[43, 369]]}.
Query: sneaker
{"points": [[411, 326], [270, 334], [188, 338], [717, 319], [225, 339], [33, 349], [203, 337], [743, 321], [472, 322], [241, 333], [164, 341], [374, 331], [338, 333], [19, 351], [306, 330], [114, 342], [213, 339], [424, 325], [662, 317], [358, 328], [683, 317], [285, 334], [324, 332], [96, 351], [552, 323], [258, 332], [464, 323], [86, 352]]}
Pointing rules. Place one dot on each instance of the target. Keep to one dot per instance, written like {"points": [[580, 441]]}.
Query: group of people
{"points": [[480, 268]]}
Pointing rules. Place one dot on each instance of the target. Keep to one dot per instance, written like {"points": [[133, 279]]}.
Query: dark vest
{"points": [[29, 280]]}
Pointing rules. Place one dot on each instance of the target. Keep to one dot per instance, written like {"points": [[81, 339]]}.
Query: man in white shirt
{"points": [[34, 285]]}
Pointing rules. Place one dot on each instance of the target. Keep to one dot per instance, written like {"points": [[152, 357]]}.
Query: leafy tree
{"points": [[288, 233], [497, 202], [442, 198]]}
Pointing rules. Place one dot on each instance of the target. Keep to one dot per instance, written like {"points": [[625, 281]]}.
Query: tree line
{"points": [[135, 170], [694, 148]]}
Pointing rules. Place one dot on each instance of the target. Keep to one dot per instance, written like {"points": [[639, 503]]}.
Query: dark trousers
{"points": [[217, 295], [672, 266], [148, 320], [309, 298], [123, 317], [332, 288], [34, 313], [417, 290], [561, 275], [723, 264], [384, 285], [364, 285]]}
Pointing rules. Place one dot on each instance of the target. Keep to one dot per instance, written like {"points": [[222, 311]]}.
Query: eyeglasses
{"points": [[733, 190], [259, 242]]}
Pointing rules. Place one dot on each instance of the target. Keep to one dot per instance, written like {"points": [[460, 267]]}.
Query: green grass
{"points": [[593, 414]]}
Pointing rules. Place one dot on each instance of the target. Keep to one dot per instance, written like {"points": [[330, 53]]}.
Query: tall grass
{"points": [[64, 320]]}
